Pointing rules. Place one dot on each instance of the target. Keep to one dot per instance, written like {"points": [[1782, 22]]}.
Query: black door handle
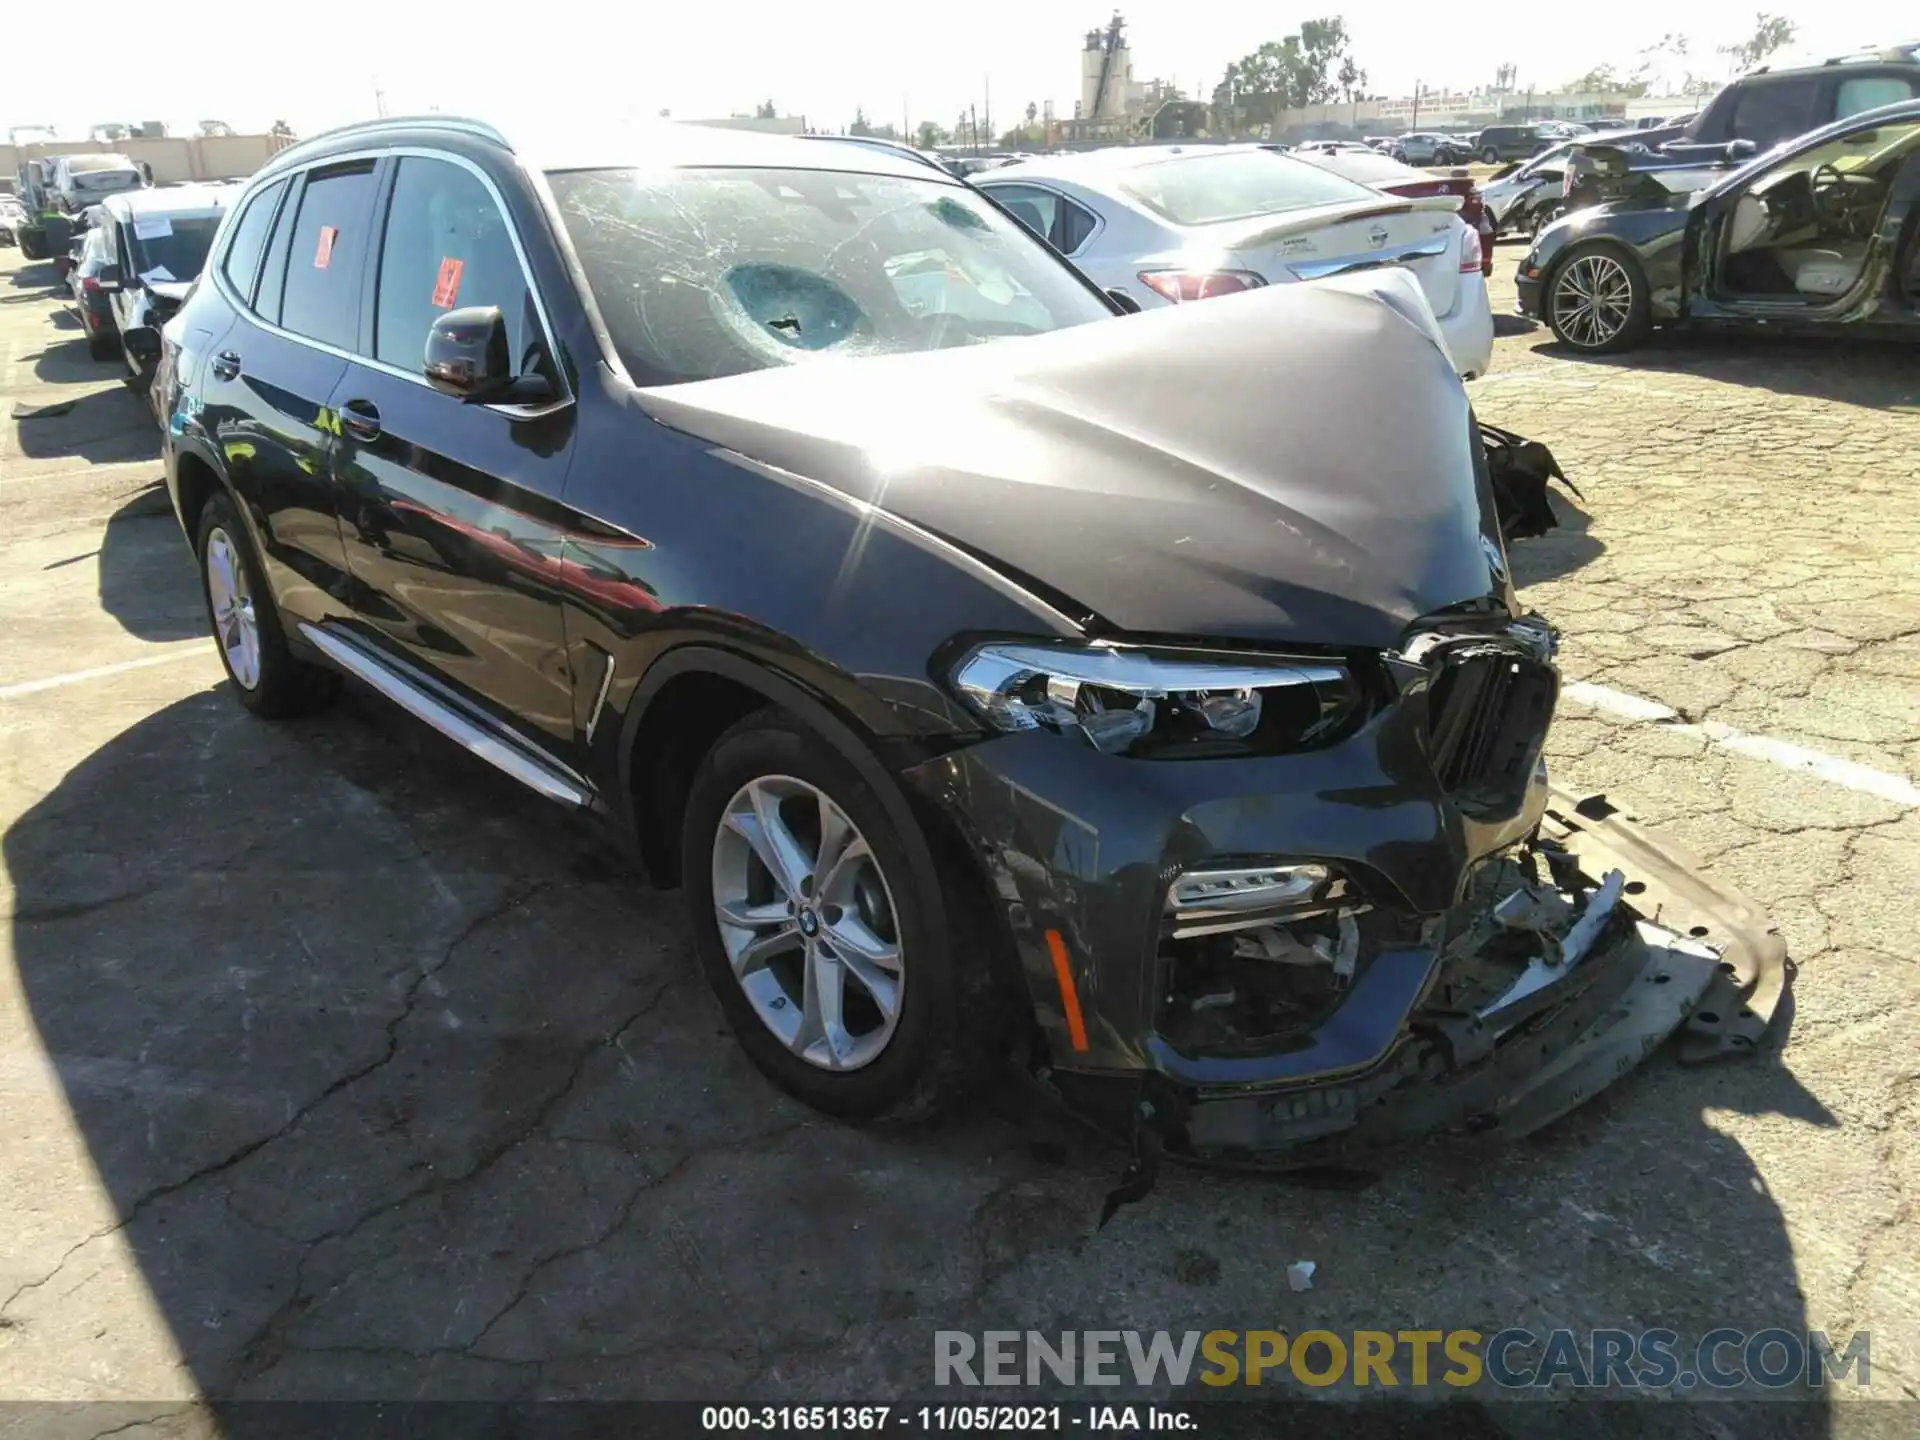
{"points": [[226, 365], [361, 419]]}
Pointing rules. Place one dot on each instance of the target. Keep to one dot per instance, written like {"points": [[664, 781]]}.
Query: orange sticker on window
{"points": [[447, 287], [323, 252]]}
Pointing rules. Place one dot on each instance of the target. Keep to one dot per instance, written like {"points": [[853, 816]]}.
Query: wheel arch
{"points": [[196, 481], [1619, 249], [685, 701]]}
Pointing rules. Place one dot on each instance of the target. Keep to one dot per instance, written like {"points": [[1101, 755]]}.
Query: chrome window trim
{"points": [[421, 152]]}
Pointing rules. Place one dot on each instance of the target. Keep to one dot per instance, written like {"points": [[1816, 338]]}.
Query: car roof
{"points": [[171, 200], [556, 146], [1893, 57]]}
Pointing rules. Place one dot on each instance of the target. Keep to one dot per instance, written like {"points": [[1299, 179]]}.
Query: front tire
{"points": [[1489, 156], [835, 953], [266, 676], [1597, 301]]}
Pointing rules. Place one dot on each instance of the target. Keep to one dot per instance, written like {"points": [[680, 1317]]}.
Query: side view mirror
{"points": [[467, 359], [109, 277], [1741, 149], [1126, 302]]}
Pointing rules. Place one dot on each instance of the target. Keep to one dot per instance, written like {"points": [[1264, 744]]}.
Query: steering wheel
{"points": [[1846, 202]]}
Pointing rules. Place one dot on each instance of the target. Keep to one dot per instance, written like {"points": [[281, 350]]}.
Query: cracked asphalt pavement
{"points": [[333, 1065]]}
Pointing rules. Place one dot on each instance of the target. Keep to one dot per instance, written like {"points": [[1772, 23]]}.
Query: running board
{"points": [[537, 773]]}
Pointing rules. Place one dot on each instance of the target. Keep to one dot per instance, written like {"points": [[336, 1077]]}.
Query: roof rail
{"points": [[477, 128], [1899, 50]]}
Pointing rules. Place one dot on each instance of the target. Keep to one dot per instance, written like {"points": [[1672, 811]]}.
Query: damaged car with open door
{"points": [[1816, 235], [1146, 700]]}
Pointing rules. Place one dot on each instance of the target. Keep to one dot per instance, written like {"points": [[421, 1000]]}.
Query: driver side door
{"points": [[1814, 234]]}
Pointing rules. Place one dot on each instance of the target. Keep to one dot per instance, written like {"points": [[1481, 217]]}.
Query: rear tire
{"points": [[771, 973], [100, 347], [266, 676], [1596, 300]]}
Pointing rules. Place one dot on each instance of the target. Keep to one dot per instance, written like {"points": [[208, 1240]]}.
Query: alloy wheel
{"points": [[1593, 300], [808, 922], [235, 624]]}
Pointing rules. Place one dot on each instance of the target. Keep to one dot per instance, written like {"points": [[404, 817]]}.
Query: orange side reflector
{"points": [[1069, 997]]}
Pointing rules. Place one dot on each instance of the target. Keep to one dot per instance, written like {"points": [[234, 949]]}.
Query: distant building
{"points": [[1112, 104]]}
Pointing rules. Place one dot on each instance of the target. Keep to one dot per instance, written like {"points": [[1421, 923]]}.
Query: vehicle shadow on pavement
{"points": [[103, 427], [1560, 551], [147, 576], [66, 362], [39, 275], [1878, 375], [400, 1084]]}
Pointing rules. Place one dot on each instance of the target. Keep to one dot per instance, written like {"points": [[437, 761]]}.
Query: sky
{"points": [[249, 64]]}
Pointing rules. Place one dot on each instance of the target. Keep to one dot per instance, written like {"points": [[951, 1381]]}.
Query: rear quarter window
{"points": [[241, 263]]}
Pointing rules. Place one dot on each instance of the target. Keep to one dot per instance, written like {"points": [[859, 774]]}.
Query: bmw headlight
{"points": [[1149, 703]]}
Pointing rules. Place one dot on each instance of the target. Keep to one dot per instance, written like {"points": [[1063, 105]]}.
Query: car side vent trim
{"points": [[533, 771]]}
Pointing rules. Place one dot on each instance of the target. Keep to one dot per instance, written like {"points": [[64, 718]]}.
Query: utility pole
{"points": [[986, 98], [1416, 106], [379, 98]]}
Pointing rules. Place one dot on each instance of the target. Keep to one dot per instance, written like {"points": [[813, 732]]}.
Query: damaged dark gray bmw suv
{"points": [[1136, 699]]}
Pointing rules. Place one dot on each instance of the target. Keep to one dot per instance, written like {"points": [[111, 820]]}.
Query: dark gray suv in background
{"points": [[998, 676]]}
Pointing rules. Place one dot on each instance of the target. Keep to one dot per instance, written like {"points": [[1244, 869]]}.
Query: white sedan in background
{"points": [[1168, 224]]}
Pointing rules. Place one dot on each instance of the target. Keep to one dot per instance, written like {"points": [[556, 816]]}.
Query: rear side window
{"points": [[1768, 114], [328, 240], [242, 262], [447, 246], [1870, 92], [1059, 221]]}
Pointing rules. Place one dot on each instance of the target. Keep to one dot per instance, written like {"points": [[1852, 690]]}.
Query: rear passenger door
{"points": [[451, 510], [270, 380]]}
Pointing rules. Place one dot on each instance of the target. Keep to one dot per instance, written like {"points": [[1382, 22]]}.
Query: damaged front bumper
{"points": [[1480, 976], [1627, 942]]}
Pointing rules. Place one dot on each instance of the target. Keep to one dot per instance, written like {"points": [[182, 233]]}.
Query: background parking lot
{"points": [[332, 1065]]}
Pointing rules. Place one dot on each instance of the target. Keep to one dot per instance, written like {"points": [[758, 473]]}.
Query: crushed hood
{"points": [[1292, 464]]}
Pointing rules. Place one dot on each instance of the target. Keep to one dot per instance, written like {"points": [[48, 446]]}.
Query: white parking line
{"points": [[189, 651], [1830, 768]]}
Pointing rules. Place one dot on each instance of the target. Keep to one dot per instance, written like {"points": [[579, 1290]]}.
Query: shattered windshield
{"points": [[703, 273]]}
